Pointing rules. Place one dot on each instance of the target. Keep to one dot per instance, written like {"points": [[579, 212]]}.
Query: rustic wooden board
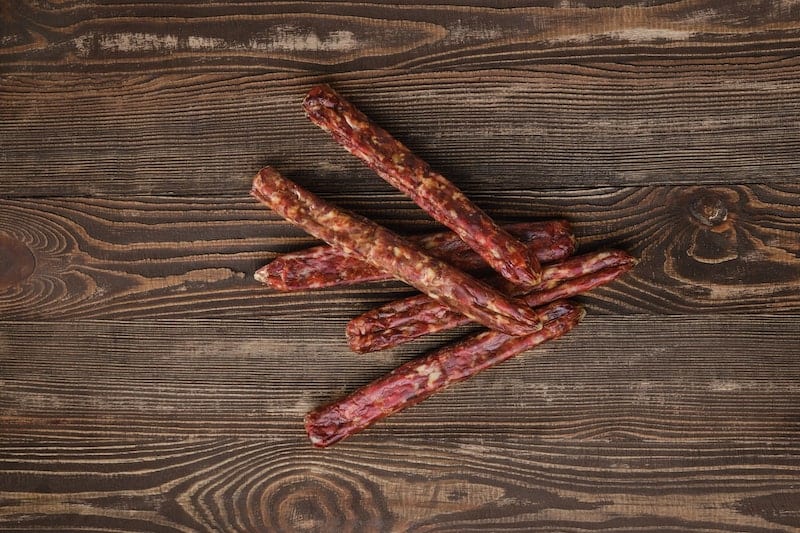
{"points": [[147, 382], [160, 99], [497, 484], [101, 258], [302, 36], [197, 424], [575, 126], [726, 377]]}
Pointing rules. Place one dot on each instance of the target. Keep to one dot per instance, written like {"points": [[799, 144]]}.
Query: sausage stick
{"points": [[390, 252], [325, 266], [418, 379], [404, 320], [396, 164]]}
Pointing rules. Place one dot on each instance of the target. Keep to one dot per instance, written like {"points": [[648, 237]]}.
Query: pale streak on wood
{"points": [[711, 508], [203, 275], [285, 38], [294, 39], [634, 34], [125, 42], [724, 386], [666, 22], [459, 33], [576, 27], [288, 37]]}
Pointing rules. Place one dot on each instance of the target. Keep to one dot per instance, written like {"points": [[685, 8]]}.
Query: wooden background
{"points": [[148, 383]]}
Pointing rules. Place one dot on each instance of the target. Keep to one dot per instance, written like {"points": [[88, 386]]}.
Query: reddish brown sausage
{"points": [[393, 254], [395, 163], [420, 378], [404, 320], [325, 266]]}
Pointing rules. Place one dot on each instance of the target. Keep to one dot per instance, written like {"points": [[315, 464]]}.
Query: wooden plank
{"points": [[578, 125], [326, 36], [224, 484], [675, 379], [703, 249], [148, 383]]}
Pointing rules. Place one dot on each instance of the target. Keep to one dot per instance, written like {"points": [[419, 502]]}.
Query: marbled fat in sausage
{"points": [[326, 266], [393, 254], [396, 164], [418, 379]]}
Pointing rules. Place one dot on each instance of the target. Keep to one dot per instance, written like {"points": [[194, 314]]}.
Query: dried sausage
{"points": [[396, 164], [404, 320], [418, 379], [393, 254], [326, 266]]}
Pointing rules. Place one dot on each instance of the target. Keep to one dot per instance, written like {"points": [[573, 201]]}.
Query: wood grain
{"points": [[563, 125], [197, 426], [227, 484], [613, 378], [291, 36], [148, 383], [195, 257]]}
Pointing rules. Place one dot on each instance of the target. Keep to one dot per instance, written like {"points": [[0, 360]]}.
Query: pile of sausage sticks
{"points": [[523, 302]]}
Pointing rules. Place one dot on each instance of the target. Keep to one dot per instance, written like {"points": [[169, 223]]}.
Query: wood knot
{"points": [[17, 261], [709, 209], [302, 499]]}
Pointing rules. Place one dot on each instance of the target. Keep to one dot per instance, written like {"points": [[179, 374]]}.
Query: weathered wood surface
{"points": [[497, 484], [186, 424], [147, 382], [299, 36], [257, 379], [149, 98], [719, 249], [572, 125]]}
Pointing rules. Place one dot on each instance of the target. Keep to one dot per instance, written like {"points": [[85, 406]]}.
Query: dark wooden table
{"points": [[149, 383]]}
